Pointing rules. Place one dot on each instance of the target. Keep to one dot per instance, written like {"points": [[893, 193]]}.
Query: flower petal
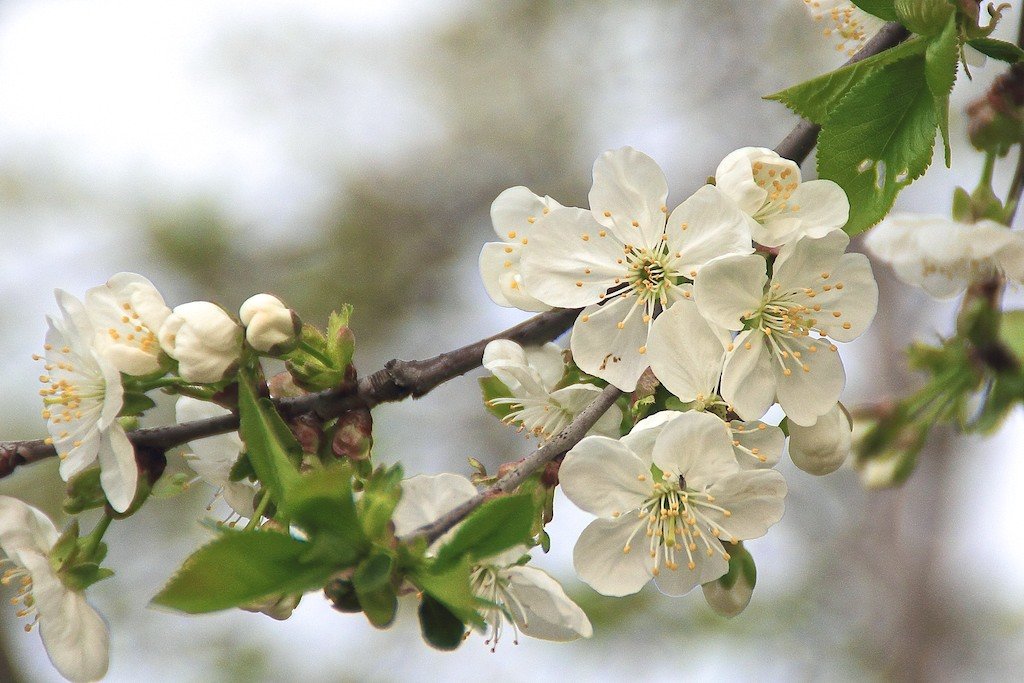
{"points": [[601, 348], [548, 361], [494, 260], [814, 383], [697, 447], [801, 263], [74, 634], [127, 312], [748, 382], [728, 602], [119, 475], [730, 288], [682, 579], [686, 353], [641, 438], [629, 196], [821, 205], [823, 447], [601, 561], [23, 527], [735, 177], [546, 611], [756, 444], [754, 499], [603, 477], [851, 292], [575, 397], [427, 497], [714, 227], [516, 210]]}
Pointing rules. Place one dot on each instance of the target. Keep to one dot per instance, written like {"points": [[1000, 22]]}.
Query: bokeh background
{"points": [[334, 151]]}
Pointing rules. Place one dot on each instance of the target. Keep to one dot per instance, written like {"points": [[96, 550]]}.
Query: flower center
{"points": [[488, 584], [844, 23], [133, 332], [542, 416], [65, 389], [21, 577], [650, 274], [675, 522]]}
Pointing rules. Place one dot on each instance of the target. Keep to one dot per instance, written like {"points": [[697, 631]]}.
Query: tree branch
{"points": [[400, 379]]}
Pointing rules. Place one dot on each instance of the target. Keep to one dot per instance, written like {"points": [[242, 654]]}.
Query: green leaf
{"points": [[242, 469], [497, 525], [242, 567], [374, 572], [998, 49], [883, 9], [372, 581], [817, 98], [340, 341], [380, 606], [272, 450], [941, 61], [450, 585], [879, 139], [320, 502], [441, 629], [1011, 332], [493, 388], [381, 493]]}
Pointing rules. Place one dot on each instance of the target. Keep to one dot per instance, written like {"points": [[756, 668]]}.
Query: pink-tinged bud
{"points": [[270, 326], [549, 476], [307, 430], [506, 467], [282, 385], [204, 340], [353, 438]]}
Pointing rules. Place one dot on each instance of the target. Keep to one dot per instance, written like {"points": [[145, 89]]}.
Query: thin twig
{"points": [[401, 379]]}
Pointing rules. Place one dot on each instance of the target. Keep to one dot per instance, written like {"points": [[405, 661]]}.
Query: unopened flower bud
{"points": [[269, 324], [204, 340], [282, 385], [278, 607], [823, 447], [307, 430], [730, 601], [353, 438]]}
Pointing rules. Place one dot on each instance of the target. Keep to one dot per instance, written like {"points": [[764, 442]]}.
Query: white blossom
{"points": [[514, 215], [268, 322], [127, 313], [526, 599], [213, 457], [944, 256], [667, 522], [687, 353], [531, 375], [204, 340], [847, 25], [625, 258], [82, 396], [823, 447], [815, 288], [73, 633], [778, 206]]}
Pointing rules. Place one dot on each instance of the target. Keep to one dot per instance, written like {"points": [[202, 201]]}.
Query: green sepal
{"points": [[81, 576], [497, 525], [998, 49], [171, 485], [741, 563], [879, 139], [440, 628], [65, 549], [493, 388], [816, 99], [84, 492], [135, 404], [883, 9], [342, 594], [242, 469], [270, 445], [924, 17], [1011, 333], [242, 567]]}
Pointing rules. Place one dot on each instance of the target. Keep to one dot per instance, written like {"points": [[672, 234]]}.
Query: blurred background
{"points": [[333, 151]]}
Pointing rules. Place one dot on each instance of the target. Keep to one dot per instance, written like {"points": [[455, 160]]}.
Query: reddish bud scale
{"points": [[353, 436]]}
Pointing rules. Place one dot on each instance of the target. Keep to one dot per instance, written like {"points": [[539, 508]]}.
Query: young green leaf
{"points": [[241, 567], [883, 9], [495, 526], [1011, 333], [493, 388], [320, 502], [381, 492], [817, 98], [998, 49], [941, 61], [272, 450], [451, 586], [879, 139], [441, 629]]}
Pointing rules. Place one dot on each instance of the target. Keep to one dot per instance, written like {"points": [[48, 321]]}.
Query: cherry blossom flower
{"points": [[213, 457], [269, 324], [944, 256], [531, 375], [204, 340], [823, 447], [849, 26], [82, 397], [654, 520], [815, 287], [778, 206], [73, 633], [525, 599], [687, 353], [626, 258], [127, 313], [514, 215]]}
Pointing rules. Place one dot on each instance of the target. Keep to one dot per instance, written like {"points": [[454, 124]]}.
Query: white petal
{"points": [[522, 380], [824, 446], [239, 496], [714, 227], [856, 302], [748, 381], [730, 288], [127, 312], [575, 397], [629, 188], [755, 499], [735, 177], [603, 477], [547, 612], [600, 560], [682, 579], [513, 209], [821, 205], [555, 265], [801, 263], [503, 350], [119, 475], [641, 438], [601, 348], [697, 447], [806, 394], [500, 270], [757, 444], [686, 354], [425, 498], [23, 527], [73, 633], [548, 361]]}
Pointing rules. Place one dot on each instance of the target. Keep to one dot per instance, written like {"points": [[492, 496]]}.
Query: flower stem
{"points": [[92, 541], [260, 509]]}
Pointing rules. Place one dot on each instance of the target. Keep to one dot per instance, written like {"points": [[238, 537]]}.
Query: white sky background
{"points": [[106, 104]]}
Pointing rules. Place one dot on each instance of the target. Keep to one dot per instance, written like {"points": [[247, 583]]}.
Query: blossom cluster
{"points": [[732, 301]]}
